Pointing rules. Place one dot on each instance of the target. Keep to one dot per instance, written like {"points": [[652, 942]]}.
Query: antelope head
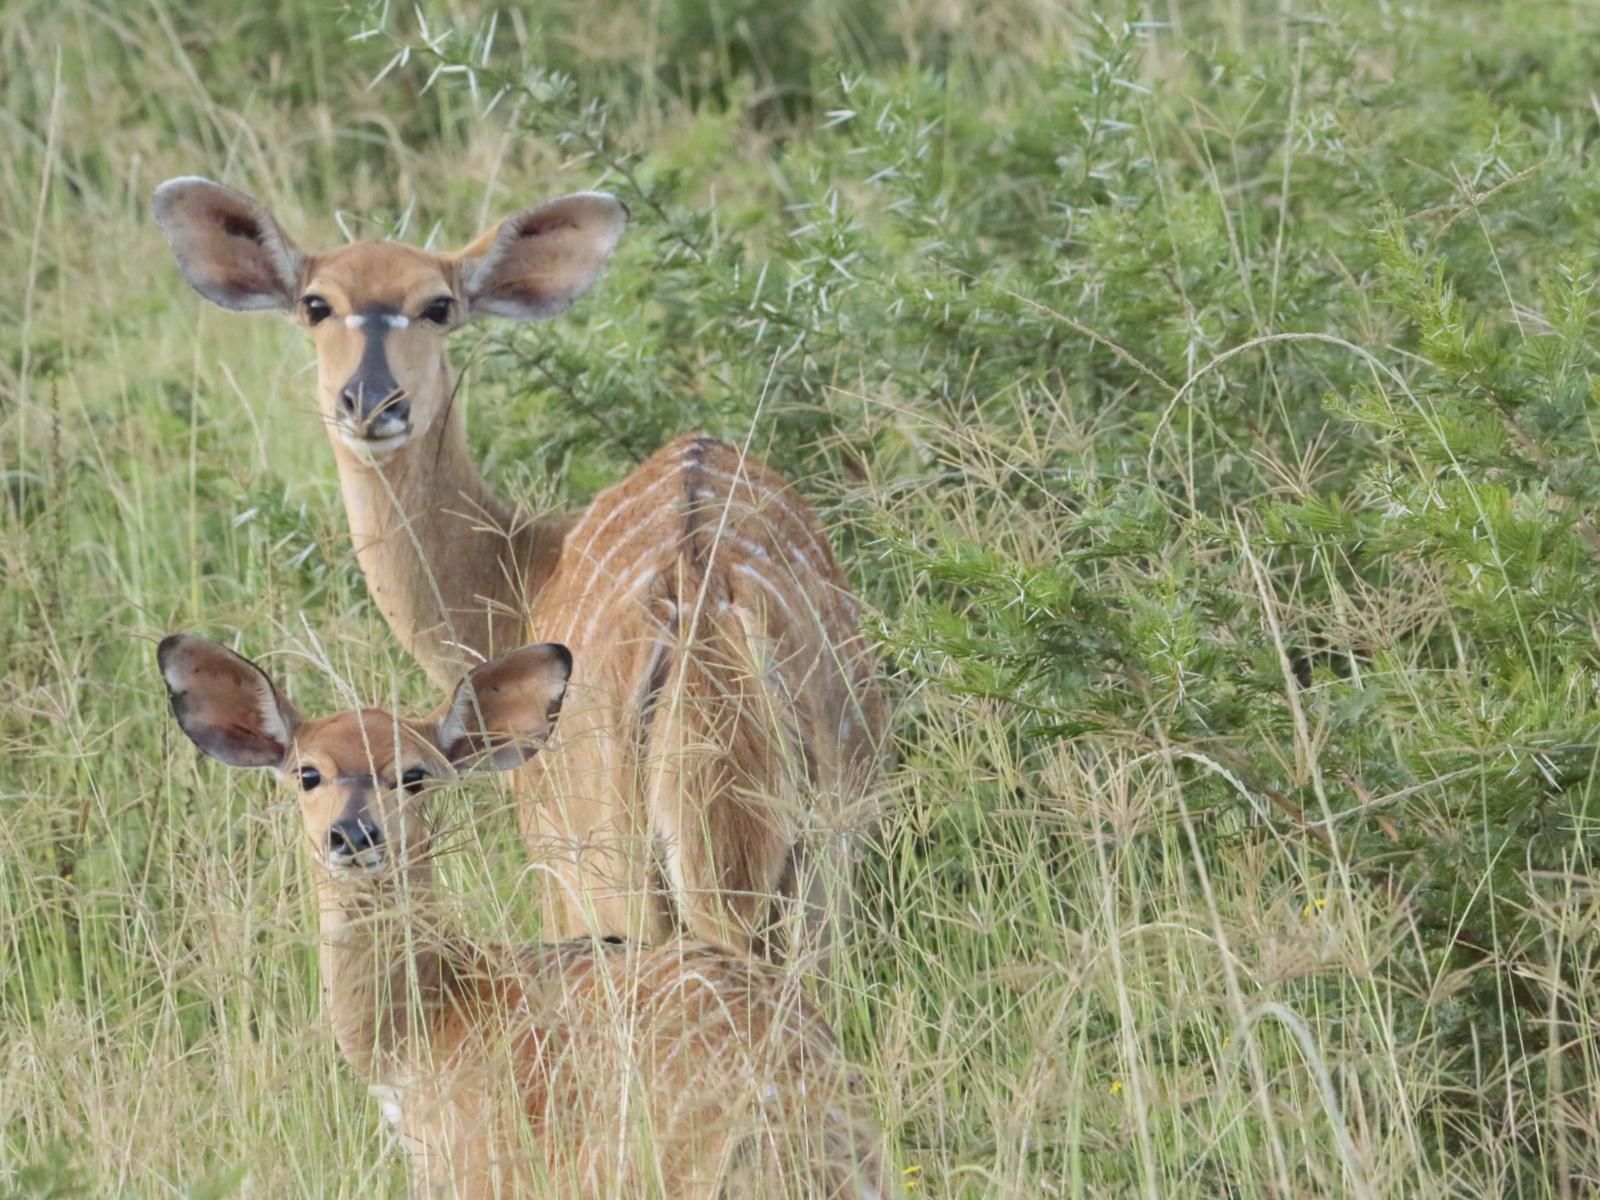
{"points": [[362, 775], [380, 312]]}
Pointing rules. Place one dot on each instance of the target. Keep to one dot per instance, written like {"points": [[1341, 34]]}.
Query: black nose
{"points": [[361, 404], [353, 836]]}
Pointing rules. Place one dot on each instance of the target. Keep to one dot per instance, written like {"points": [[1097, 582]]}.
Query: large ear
{"points": [[503, 711], [535, 264], [226, 704], [228, 247]]}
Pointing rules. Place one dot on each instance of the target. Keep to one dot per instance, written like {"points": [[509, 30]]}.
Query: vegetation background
{"points": [[1203, 395]]}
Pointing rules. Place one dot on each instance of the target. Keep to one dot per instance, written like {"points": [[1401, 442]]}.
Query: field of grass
{"points": [[1201, 394]]}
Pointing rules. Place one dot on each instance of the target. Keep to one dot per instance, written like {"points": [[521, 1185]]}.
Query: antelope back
{"points": [[722, 693]]}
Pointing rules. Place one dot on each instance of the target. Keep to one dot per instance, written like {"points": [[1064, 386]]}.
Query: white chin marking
{"points": [[368, 862], [373, 449]]}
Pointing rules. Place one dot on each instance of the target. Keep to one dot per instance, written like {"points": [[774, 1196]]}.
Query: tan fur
{"points": [[723, 714], [575, 1069], [379, 273], [725, 692]]}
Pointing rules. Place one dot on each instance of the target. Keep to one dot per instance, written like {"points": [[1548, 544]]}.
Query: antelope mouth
{"points": [[369, 862], [374, 443]]}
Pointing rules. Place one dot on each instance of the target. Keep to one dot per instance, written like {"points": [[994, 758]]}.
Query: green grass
{"points": [[1202, 396]]}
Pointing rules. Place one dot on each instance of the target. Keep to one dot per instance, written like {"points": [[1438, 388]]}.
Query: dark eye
{"points": [[438, 311], [310, 777], [413, 779], [316, 309]]}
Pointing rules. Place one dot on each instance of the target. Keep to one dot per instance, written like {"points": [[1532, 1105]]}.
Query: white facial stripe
{"points": [[392, 320]]}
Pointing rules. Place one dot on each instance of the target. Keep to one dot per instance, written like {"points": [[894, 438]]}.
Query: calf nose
{"points": [[353, 836]]}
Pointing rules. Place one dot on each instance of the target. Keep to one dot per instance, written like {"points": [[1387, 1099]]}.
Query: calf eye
{"points": [[413, 779], [310, 777], [438, 310], [316, 309]]}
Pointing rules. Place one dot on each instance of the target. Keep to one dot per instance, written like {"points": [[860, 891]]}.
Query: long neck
{"points": [[449, 563], [386, 970]]}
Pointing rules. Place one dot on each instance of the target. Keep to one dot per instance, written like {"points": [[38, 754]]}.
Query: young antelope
{"points": [[589, 1067]]}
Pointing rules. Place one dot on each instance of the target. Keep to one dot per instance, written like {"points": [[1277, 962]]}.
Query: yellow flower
{"points": [[1314, 907], [1116, 1087], [910, 1174]]}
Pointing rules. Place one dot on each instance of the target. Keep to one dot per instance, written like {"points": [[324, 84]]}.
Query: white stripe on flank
{"points": [[769, 586], [738, 509], [648, 572], [653, 568], [778, 557], [596, 581], [616, 510], [780, 501], [605, 592]]}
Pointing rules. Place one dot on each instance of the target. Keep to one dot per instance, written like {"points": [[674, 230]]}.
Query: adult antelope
{"points": [[723, 700], [577, 1068]]}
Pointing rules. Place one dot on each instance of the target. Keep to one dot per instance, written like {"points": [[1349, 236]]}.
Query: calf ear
{"points": [[225, 703], [503, 711], [228, 247], [534, 264]]}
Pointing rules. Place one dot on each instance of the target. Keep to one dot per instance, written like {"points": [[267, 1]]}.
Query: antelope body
{"points": [[580, 1068], [723, 702]]}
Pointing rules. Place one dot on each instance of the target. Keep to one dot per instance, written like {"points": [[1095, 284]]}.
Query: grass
{"points": [[1201, 395]]}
